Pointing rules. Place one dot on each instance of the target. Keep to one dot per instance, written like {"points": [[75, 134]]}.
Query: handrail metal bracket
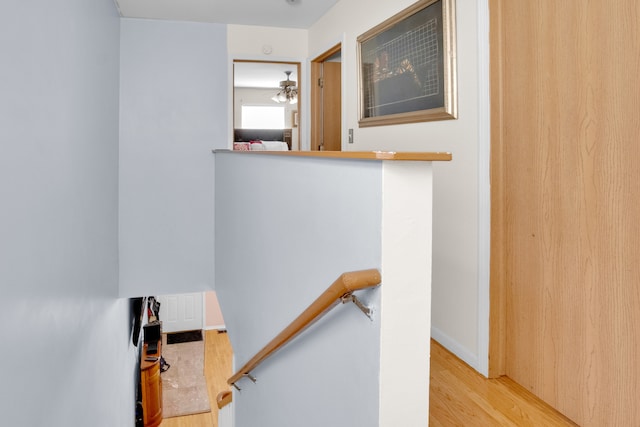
{"points": [[251, 377], [350, 297], [248, 375]]}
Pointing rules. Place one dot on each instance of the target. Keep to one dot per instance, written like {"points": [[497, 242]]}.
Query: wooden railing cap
{"points": [[360, 155], [355, 280]]}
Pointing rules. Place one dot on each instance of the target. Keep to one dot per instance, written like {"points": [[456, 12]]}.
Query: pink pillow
{"points": [[241, 146]]}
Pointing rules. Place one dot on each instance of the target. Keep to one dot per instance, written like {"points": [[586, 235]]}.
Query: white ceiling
{"points": [[268, 13]]}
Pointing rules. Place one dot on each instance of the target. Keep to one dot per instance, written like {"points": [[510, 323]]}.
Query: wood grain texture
{"points": [[459, 396], [224, 398], [316, 105], [497, 270], [217, 365], [151, 385], [361, 155], [317, 99], [570, 95], [346, 283], [332, 106]]}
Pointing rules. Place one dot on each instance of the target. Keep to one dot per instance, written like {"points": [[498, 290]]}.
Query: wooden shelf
{"points": [[361, 155], [151, 386]]}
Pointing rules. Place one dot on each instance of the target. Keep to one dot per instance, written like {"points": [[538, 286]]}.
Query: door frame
{"points": [[497, 286], [316, 95]]}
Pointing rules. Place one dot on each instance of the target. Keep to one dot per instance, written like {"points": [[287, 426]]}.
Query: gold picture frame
{"points": [[407, 66]]}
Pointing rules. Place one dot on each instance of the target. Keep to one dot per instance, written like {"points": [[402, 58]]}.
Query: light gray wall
{"points": [[67, 361], [66, 358], [278, 251], [173, 111]]}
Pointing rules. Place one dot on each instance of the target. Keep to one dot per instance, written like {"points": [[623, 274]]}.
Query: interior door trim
{"points": [[316, 95]]}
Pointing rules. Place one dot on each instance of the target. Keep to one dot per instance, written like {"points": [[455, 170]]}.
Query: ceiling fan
{"points": [[288, 91]]}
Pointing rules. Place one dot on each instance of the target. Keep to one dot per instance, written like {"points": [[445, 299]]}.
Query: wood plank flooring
{"points": [[459, 396]]}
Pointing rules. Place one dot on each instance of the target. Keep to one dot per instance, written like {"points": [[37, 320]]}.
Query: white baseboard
{"points": [[456, 348], [225, 416]]}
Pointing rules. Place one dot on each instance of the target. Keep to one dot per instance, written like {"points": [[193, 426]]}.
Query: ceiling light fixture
{"points": [[288, 91]]}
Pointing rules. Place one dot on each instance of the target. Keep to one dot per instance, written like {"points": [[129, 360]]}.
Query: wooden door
{"points": [[566, 204], [326, 101], [331, 106], [181, 312]]}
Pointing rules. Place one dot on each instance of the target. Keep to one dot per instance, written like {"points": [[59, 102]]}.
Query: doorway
{"points": [[326, 101], [181, 312], [255, 85]]}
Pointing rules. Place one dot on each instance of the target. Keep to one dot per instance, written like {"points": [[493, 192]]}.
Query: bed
{"points": [[262, 139]]}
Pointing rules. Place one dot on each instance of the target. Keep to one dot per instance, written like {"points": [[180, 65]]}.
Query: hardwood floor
{"points": [[458, 396], [217, 367]]}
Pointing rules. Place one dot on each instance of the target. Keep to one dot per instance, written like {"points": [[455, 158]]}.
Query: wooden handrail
{"points": [[224, 398], [344, 285]]}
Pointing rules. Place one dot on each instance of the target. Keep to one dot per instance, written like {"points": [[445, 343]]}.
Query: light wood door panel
{"points": [[568, 131], [331, 106], [326, 101]]}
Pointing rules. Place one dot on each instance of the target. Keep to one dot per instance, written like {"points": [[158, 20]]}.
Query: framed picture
{"points": [[407, 66]]}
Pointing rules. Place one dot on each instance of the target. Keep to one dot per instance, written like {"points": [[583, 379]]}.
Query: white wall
{"points": [[66, 356], [456, 246], [406, 293], [250, 41], [173, 111]]}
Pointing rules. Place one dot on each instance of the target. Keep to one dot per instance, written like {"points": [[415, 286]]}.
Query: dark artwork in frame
{"points": [[407, 67]]}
